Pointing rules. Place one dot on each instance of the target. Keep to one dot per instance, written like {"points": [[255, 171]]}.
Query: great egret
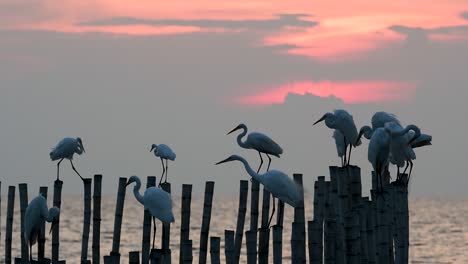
{"points": [[400, 146], [379, 152], [259, 142], [157, 201], [34, 217], [340, 145], [276, 182], [65, 150], [341, 120], [164, 152]]}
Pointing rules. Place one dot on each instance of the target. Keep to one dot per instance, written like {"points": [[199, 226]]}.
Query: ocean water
{"points": [[438, 228]]}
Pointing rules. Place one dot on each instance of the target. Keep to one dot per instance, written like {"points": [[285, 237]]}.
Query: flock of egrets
{"points": [[389, 143]]}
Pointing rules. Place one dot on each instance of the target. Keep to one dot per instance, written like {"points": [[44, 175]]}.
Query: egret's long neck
{"points": [[407, 129], [49, 217], [136, 192], [250, 171], [240, 136]]}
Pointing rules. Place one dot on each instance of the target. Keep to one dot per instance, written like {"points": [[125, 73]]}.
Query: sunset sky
{"points": [[126, 74]]}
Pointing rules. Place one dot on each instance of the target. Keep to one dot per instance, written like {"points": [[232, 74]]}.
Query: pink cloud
{"points": [[350, 92]]}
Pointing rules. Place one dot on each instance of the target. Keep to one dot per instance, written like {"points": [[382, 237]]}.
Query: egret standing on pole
{"points": [[164, 152], [378, 120], [344, 122], [34, 217], [259, 142], [157, 201], [379, 153], [276, 182], [65, 150]]}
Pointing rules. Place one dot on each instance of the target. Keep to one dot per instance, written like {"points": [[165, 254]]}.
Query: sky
{"points": [[123, 75]]}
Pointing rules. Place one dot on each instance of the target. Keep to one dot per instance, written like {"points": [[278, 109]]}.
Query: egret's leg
{"points": [[349, 156], [272, 212], [407, 164], [269, 162], [73, 167], [342, 161], [58, 168], [261, 162], [164, 171], [154, 230], [410, 170], [345, 152]]}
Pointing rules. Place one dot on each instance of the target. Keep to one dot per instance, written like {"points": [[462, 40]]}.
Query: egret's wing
{"points": [[262, 142]]}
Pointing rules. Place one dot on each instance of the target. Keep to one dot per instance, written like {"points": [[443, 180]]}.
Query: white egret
{"points": [[164, 152], [157, 201], [378, 120], [65, 150], [341, 120], [34, 217], [379, 152], [276, 182], [259, 142], [340, 145]]}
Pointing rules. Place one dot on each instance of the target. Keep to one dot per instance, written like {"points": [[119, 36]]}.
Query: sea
{"points": [[438, 228]]}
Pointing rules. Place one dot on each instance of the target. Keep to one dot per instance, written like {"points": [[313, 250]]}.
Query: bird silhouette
{"points": [[164, 152], [65, 149]]}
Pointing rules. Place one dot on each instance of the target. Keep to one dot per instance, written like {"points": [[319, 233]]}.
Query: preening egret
{"points": [[259, 142], [65, 150], [276, 182], [378, 120], [379, 152], [341, 120], [164, 152], [340, 145], [157, 201], [35, 216], [400, 147]]}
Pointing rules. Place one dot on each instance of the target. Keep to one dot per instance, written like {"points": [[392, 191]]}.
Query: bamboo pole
{"points": [[205, 228], [87, 182], [9, 223], [299, 219], [23, 192], [263, 242], [329, 225], [251, 245], [97, 219], [314, 235], [229, 246], [297, 234], [337, 196], [371, 232], [316, 252], [382, 231], [363, 230], [187, 252], [166, 231], [243, 192], [214, 249], [401, 213], [185, 222], [57, 202], [41, 239], [134, 257], [147, 221], [254, 204], [115, 254], [277, 244], [355, 186]]}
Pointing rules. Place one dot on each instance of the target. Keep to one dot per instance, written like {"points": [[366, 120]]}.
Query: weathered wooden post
{"points": [[264, 232], [251, 245], [166, 232], [382, 231], [229, 246], [214, 250], [371, 232], [9, 223], [134, 257], [363, 230], [299, 219], [205, 228], [147, 221], [185, 222], [187, 252], [57, 201], [329, 225], [23, 192], [313, 235], [115, 254], [277, 244], [41, 239], [254, 202], [243, 192], [316, 237], [402, 221], [96, 254], [87, 182]]}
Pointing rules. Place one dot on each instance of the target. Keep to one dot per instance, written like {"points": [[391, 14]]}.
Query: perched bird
{"points": [[379, 153], [157, 201], [259, 142], [402, 152], [341, 120], [378, 120], [164, 152], [65, 150], [340, 145], [276, 182], [35, 216]]}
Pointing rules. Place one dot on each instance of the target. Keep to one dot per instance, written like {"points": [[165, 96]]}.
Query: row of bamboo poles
{"points": [[346, 227]]}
